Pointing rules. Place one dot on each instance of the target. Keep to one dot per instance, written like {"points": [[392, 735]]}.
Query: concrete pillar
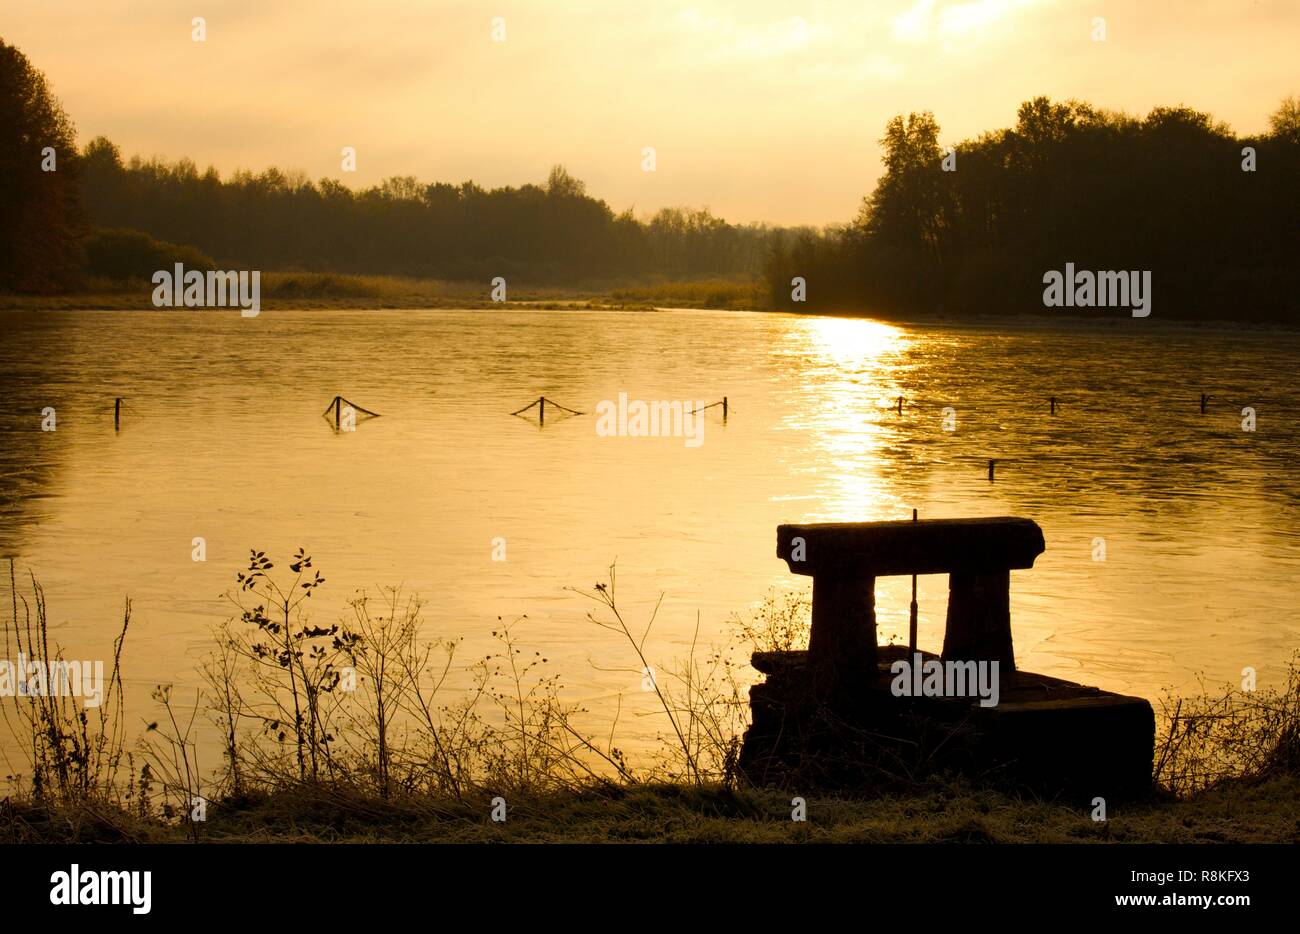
{"points": [[842, 646], [979, 618]]}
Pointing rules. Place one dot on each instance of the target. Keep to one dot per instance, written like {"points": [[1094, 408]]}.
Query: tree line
{"points": [[98, 214], [963, 230], [973, 228], [551, 233]]}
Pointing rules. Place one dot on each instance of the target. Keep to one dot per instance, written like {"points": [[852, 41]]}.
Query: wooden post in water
{"points": [[541, 410], [117, 414], [900, 405], [1205, 400], [1053, 405], [911, 624], [338, 411], [991, 463], [724, 409]]}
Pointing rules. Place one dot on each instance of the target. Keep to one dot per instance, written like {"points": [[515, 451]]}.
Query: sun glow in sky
{"points": [[758, 109]]}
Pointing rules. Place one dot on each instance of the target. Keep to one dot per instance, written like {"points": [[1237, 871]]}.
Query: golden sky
{"points": [[758, 109]]}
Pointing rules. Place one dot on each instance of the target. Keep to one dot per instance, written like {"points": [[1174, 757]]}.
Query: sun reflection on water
{"points": [[856, 365]]}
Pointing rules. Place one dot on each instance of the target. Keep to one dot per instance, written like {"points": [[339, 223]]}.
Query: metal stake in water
{"points": [[911, 627]]}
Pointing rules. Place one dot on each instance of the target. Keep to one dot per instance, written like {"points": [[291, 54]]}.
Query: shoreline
{"points": [[115, 302]]}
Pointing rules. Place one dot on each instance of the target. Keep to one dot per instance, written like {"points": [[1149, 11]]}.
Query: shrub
{"points": [[129, 254]]}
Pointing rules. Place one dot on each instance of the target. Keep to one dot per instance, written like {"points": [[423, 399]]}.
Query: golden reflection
{"points": [[857, 383], [851, 342]]}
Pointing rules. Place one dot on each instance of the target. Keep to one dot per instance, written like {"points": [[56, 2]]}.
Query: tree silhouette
{"points": [[1168, 193], [1284, 123], [40, 213], [279, 220]]}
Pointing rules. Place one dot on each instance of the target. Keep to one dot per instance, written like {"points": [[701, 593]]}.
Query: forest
{"points": [[554, 233], [960, 230], [973, 228]]}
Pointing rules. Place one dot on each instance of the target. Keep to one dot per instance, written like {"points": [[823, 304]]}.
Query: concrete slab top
{"points": [[930, 546]]}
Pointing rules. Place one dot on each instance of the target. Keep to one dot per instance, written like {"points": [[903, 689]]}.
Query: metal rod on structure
{"points": [[911, 626], [117, 414]]}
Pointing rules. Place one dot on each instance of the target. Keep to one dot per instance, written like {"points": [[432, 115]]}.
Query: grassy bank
{"points": [[944, 812], [352, 731], [291, 290]]}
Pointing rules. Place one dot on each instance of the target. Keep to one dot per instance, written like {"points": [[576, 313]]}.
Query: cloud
{"points": [[927, 20], [730, 39]]}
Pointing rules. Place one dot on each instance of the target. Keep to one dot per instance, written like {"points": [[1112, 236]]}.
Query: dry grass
{"points": [[731, 294], [311, 290], [74, 750], [943, 812], [1229, 735], [350, 732]]}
